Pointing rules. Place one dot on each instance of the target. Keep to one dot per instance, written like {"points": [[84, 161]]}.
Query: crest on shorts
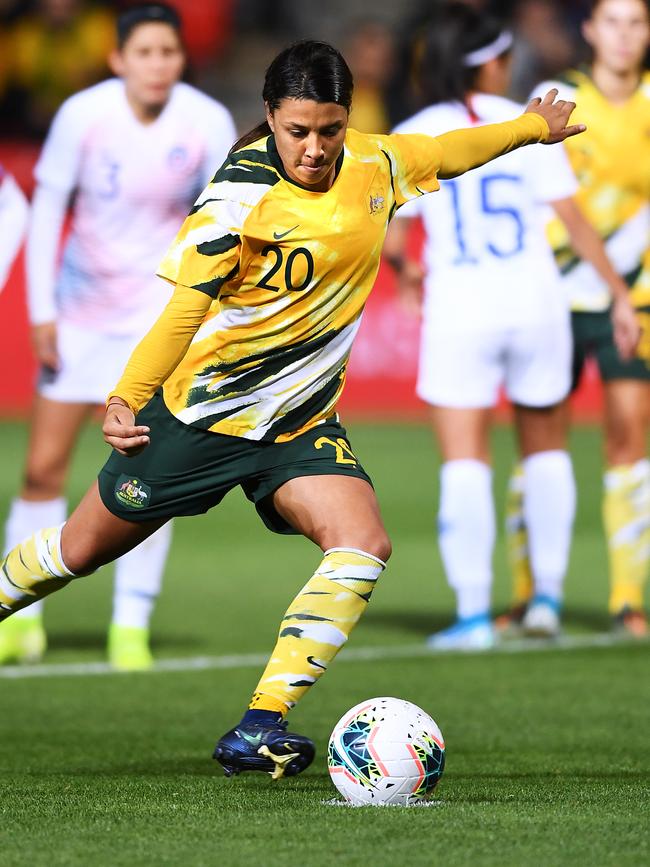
{"points": [[132, 493]]}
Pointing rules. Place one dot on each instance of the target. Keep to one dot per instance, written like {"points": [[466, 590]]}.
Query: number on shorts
{"points": [[344, 454]]}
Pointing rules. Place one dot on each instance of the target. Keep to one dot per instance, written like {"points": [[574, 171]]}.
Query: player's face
{"points": [[150, 62], [619, 33], [309, 136]]}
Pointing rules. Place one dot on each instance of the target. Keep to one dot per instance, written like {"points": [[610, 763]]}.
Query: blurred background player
{"points": [[612, 164], [13, 221], [494, 313], [135, 151], [371, 50]]}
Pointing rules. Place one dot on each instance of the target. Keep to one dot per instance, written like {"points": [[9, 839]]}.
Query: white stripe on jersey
{"points": [[315, 370]]}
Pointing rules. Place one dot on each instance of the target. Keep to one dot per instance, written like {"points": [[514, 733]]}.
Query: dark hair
{"points": [[305, 70], [146, 13], [454, 31]]}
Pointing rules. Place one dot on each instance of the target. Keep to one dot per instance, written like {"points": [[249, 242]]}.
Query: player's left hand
{"points": [[556, 113], [121, 432], [627, 330]]}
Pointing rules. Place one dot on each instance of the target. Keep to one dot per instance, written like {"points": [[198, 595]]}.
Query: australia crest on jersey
{"points": [[377, 203]]}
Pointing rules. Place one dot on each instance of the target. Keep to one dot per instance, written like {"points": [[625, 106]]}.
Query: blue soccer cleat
{"points": [[471, 633], [264, 747]]}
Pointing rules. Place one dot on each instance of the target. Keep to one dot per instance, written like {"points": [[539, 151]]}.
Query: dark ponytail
{"points": [[453, 32], [306, 70]]}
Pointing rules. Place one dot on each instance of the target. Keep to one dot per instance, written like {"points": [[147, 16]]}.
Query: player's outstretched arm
{"points": [[543, 121], [556, 113]]}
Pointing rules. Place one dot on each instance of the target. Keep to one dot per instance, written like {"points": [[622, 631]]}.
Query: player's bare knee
{"points": [[43, 483], [377, 544], [382, 548], [79, 556]]}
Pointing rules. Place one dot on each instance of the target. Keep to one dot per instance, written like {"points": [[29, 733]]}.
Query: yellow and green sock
{"points": [[32, 570], [315, 627], [626, 516], [517, 540]]}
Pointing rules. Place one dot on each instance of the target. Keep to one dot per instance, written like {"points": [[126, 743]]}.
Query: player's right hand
{"points": [[121, 432], [627, 330], [44, 342], [556, 113]]}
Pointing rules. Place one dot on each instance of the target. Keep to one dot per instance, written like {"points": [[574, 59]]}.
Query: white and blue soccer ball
{"points": [[385, 751]]}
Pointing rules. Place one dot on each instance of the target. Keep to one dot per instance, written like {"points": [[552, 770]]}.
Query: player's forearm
{"points": [[465, 149], [161, 350], [588, 244], [396, 242], [48, 212]]}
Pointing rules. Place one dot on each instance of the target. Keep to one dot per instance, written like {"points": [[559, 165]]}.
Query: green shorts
{"points": [[186, 471], [593, 336]]}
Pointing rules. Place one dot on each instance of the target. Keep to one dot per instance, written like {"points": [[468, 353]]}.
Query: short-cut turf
{"points": [[547, 759]]}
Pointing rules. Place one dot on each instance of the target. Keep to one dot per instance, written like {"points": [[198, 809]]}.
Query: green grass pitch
{"points": [[547, 751]]}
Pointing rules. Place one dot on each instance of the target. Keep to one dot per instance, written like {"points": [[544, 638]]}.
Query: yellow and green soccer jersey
{"points": [[612, 163], [289, 271]]}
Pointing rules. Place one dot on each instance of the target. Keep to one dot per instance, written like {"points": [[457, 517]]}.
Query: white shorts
{"points": [[91, 363], [466, 369]]}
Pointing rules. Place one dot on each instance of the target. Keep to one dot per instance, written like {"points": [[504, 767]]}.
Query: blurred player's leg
{"points": [[537, 381], [626, 502], [518, 553], [549, 510], [53, 433], [138, 579], [466, 532], [549, 499], [466, 525], [626, 515]]}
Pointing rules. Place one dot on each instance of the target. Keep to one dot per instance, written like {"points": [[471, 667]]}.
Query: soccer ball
{"points": [[385, 751]]}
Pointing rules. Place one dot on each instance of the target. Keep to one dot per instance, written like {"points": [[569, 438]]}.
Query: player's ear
{"points": [[115, 63], [269, 116]]}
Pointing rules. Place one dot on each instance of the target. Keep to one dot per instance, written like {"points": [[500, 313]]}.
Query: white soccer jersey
{"points": [[133, 185], [488, 262], [13, 220]]}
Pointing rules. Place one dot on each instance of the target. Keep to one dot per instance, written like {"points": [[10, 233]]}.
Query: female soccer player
{"points": [[612, 165], [494, 313], [13, 221], [237, 382], [134, 151]]}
